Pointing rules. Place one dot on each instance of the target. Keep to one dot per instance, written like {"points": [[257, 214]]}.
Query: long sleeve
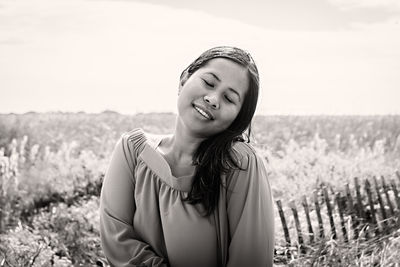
{"points": [[250, 214], [121, 244]]}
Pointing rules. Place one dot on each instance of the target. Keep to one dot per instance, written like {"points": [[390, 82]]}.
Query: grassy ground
{"points": [[50, 180]]}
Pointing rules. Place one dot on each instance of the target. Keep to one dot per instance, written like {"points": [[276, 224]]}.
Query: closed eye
{"points": [[209, 84], [229, 99]]}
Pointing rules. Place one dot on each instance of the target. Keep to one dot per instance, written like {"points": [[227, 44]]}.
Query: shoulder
{"points": [[133, 141], [244, 154], [252, 174], [133, 135], [137, 138], [250, 160]]}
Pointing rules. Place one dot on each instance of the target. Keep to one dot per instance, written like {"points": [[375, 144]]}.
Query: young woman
{"points": [[200, 196]]}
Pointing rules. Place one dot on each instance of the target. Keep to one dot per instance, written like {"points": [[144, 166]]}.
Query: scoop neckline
{"points": [[159, 139]]}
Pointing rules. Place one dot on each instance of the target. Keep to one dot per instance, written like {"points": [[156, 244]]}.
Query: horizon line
{"points": [[107, 111]]}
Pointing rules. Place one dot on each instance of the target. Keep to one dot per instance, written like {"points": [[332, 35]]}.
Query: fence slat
{"points": [[307, 212], [396, 194], [360, 208], [298, 227], [284, 225], [329, 209], [354, 222], [318, 211], [388, 200], [343, 224], [371, 206], [381, 205]]}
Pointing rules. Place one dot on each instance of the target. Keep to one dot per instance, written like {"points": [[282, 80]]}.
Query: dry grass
{"points": [[378, 251], [67, 152]]}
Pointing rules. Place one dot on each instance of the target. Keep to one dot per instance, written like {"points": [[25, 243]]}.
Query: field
{"points": [[52, 165]]}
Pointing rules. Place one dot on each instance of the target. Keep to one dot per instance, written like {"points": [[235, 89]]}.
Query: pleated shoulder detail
{"points": [[135, 140]]}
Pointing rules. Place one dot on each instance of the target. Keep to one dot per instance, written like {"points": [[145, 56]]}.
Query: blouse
{"points": [[145, 222]]}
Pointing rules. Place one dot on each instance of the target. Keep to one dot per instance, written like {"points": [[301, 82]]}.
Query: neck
{"points": [[182, 145]]}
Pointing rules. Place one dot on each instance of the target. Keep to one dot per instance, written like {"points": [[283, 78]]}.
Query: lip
{"points": [[205, 110]]}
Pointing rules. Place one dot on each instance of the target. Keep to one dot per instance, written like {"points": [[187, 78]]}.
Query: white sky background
{"points": [[314, 56]]}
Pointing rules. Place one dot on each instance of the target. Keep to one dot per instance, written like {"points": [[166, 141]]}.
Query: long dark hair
{"points": [[214, 155]]}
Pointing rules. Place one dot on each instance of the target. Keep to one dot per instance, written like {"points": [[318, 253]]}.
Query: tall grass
{"points": [[51, 169]]}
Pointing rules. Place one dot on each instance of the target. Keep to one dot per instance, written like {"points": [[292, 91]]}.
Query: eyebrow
{"points": [[230, 89]]}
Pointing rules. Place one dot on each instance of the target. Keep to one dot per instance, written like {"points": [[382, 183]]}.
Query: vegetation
{"points": [[52, 165]]}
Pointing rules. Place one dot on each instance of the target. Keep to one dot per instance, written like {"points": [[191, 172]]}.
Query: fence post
{"points": [[360, 208], [298, 227], [307, 212], [396, 195], [284, 225], [382, 206], [354, 222], [340, 208], [329, 208], [318, 211], [371, 206], [385, 190], [1, 203]]}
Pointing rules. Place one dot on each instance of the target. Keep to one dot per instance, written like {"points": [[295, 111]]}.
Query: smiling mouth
{"points": [[204, 113]]}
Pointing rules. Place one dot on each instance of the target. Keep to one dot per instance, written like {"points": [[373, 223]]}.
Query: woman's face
{"points": [[211, 98]]}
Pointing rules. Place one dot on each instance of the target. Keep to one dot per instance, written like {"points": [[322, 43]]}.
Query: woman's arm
{"points": [[120, 242], [250, 214]]}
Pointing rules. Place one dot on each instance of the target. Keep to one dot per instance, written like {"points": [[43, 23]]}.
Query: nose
{"points": [[212, 100]]}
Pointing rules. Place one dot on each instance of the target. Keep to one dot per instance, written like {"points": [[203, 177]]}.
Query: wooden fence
{"points": [[365, 210]]}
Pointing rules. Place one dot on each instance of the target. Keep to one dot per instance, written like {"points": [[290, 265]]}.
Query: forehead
{"points": [[229, 72]]}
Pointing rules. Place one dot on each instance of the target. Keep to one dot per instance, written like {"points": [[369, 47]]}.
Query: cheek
{"points": [[182, 97], [180, 104], [230, 114]]}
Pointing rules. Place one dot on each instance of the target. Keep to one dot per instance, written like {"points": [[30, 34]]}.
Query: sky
{"points": [[315, 57]]}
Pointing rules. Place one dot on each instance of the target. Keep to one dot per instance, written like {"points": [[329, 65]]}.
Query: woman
{"points": [[200, 196]]}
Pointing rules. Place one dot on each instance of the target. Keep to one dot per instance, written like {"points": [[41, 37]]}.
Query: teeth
{"points": [[202, 113]]}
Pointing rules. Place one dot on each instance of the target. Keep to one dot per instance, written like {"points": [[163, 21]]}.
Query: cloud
{"points": [[390, 25], [96, 55], [354, 4], [371, 15]]}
